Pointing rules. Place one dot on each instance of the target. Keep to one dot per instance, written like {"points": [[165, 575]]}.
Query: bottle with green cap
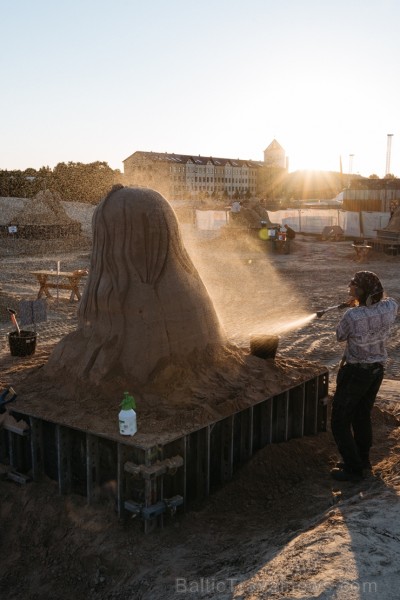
{"points": [[127, 415]]}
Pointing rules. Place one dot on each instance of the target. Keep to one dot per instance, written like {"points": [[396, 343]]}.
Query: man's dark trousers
{"points": [[356, 390]]}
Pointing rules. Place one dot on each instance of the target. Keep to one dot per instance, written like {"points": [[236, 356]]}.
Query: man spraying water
{"points": [[365, 328]]}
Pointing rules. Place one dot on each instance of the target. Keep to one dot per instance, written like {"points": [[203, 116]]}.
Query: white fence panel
{"points": [[350, 223], [307, 220], [371, 221]]}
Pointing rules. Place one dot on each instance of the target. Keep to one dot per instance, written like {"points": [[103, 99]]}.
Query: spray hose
{"points": [[337, 307]]}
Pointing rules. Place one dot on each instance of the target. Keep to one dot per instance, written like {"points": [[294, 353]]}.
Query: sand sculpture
{"points": [[144, 302], [394, 223], [146, 324]]}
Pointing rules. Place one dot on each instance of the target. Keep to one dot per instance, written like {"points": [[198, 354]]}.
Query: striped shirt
{"points": [[366, 329]]}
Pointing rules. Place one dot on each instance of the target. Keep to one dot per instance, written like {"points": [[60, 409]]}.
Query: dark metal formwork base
{"points": [[156, 480]]}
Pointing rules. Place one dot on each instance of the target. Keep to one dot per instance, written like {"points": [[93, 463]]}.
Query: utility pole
{"points": [[388, 152], [351, 156]]}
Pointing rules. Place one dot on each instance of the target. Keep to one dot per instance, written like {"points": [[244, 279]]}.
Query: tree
{"points": [[17, 184], [74, 181], [84, 182]]}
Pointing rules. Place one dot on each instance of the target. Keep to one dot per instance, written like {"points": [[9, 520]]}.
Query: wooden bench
{"points": [[388, 246], [46, 282]]}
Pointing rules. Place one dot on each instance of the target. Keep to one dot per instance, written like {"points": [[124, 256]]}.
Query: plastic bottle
{"points": [[127, 416]]}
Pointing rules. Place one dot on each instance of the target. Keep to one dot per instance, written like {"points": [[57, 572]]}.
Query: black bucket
{"points": [[23, 344], [264, 346]]}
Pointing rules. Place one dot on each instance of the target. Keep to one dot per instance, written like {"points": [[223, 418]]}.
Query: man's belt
{"points": [[366, 365]]}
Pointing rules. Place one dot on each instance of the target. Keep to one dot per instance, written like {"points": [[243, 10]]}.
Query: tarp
{"points": [[211, 220]]}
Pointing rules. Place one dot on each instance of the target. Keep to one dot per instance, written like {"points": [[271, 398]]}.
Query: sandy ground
{"points": [[281, 528]]}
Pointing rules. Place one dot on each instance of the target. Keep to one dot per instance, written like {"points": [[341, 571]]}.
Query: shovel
{"points": [[7, 396], [14, 320]]}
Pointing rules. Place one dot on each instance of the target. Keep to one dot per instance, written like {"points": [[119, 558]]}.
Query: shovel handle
{"points": [[14, 320]]}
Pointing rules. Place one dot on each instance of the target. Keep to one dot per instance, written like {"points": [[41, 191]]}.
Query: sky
{"points": [[87, 81]]}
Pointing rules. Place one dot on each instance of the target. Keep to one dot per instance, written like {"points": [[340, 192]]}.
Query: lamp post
{"points": [[388, 152], [351, 156]]}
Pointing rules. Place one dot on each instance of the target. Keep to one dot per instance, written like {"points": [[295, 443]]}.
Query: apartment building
{"points": [[179, 176]]}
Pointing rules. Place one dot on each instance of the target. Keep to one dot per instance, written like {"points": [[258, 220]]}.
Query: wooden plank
{"points": [[250, 432], [311, 408], [296, 412], [158, 486], [3, 446], [20, 428], [246, 434], [229, 435], [92, 467], [201, 467], [160, 467], [122, 453], [12, 450], [36, 428], [286, 404], [243, 433], [184, 474], [280, 417], [63, 443], [207, 458], [264, 425], [149, 525]]}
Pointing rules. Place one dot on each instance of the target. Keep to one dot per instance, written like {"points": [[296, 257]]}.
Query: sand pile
{"points": [[44, 209]]}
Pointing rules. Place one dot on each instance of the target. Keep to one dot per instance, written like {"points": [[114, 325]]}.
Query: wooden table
{"points": [[362, 251], [58, 280]]}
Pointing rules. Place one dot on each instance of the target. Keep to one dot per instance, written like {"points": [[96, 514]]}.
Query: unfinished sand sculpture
{"points": [[146, 324], [144, 302], [394, 223]]}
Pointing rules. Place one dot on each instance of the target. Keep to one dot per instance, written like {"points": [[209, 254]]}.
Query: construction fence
{"points": [[361, 224]]}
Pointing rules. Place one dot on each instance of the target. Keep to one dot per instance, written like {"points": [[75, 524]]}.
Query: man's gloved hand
{"points": [[352, 302]]}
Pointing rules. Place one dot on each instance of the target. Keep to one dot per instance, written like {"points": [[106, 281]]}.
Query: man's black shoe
{"points": [[343, 475]]}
